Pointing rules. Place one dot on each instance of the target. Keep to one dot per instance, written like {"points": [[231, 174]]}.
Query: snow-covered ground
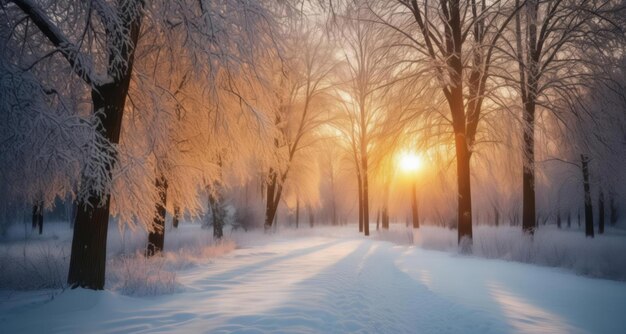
{"points": [[332, 283]]}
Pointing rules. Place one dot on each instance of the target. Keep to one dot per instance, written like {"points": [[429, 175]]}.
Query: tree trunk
{"points": [[217, 212], [360, 187], [588, 207], [601, 213], [569, 219], [38, 216], [88, 257], [465, 196], [176, 216], [385, 218], [156, 238], [385, 213], [414, 207], [364, 176], [269, 200], [297, 211], [528, 178], [311, 217], [558, 219]]}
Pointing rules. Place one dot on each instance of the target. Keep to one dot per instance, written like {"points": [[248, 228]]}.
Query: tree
{"points": [[100, 36], [548, 34], [302, 102], [458, 41], [367, 72], [120, 26]]}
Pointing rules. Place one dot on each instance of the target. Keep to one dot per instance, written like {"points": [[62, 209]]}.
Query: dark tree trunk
{"points": [[528, 178], [364, 176], [463, 182], [360, 187], [579, 218], [569, 219], [88, 257], [601, 213], [414, 206], [156, 238], [385, 213], [297, 212], [588, 207], [274, 193], [456, 103], [218, 213], [385, 218], [40, 221], [270, 210], [176, 216], [38, 216], [558, 219], [311, 217]]}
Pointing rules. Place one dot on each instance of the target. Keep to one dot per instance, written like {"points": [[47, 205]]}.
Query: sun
{"points": [[410, 162]]}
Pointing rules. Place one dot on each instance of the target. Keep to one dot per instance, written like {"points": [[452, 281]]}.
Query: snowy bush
{"points": [[603, 256], [136, 275], [31, 262]]}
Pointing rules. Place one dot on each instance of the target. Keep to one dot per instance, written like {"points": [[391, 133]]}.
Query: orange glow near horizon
{"points": [[409, 161]]}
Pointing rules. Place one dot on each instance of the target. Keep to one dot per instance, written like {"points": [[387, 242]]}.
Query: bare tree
{"points": [[301, 108], [548, 35], [459, 41]]}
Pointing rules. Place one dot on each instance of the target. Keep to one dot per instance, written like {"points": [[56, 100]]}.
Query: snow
{"points": [[329, 282]]}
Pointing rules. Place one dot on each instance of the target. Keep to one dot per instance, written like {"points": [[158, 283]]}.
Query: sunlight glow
{"points": [[410, 162]]}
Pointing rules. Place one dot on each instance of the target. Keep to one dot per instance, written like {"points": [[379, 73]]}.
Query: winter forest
{"points": [[313, 166]]}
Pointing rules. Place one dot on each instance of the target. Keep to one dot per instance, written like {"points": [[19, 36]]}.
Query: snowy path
{"points": [[331, 285]]}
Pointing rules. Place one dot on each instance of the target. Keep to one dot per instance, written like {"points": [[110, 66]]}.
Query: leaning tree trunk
{"points": [[588, 207], [88, 257], [156, 238]]}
